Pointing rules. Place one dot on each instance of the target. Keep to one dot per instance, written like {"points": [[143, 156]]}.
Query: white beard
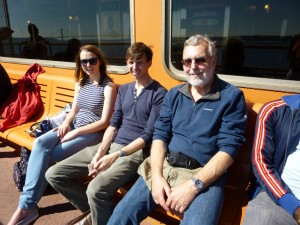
{"points": [[195, 82]]}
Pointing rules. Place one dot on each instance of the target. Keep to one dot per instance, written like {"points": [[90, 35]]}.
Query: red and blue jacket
{"points": [[277, 135]]}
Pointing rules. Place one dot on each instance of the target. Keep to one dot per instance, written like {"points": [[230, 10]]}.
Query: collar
{"points": [[292, 100]]}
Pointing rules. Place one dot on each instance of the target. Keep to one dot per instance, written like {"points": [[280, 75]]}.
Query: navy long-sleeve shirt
{"points": [[134, 117], [200, 129]]}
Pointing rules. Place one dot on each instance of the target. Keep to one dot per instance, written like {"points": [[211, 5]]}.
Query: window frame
{"points": [[114, 69], [239, 81]]}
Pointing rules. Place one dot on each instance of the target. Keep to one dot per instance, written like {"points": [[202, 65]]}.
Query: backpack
{"points": [[20, 168], [24, 100]]}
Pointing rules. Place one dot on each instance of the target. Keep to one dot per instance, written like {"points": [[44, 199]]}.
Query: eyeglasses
{"points": [[91, 61], [198, 61]]}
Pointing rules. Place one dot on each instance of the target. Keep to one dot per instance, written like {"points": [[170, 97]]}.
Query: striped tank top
{"points": [[90, 101]]}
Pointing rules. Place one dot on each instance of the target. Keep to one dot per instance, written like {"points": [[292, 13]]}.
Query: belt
{"points": [[178, 159]]}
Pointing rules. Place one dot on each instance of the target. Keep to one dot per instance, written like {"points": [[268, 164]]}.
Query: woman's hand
{"points": [[69, 136], [62, 130]]}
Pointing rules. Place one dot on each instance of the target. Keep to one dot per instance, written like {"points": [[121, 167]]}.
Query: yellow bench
{"points": [[55, 91], [58, 90]]}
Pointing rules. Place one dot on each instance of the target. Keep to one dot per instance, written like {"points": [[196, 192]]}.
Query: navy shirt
{"points": [[134, 116], [200, 129]]}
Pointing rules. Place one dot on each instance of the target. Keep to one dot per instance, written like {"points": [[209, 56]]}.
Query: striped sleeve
{"points": [[263, 151]]}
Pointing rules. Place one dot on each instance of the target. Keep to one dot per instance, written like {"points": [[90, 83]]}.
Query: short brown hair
{"points": [[138, 50]]}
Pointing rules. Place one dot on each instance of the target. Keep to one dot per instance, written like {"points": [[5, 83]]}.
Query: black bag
{"points": [[20, 168], [179, 159], [39, 128], [42, 127]]}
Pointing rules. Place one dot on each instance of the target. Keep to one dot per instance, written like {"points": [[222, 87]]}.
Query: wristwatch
{"points": [[122, 153], [198, 183]]}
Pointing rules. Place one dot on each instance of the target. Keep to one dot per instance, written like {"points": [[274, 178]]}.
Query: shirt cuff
{"points": [[289, 202]]}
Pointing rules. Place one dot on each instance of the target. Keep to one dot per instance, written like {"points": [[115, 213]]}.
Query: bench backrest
{"points": [[55, 91], [240, 174]]}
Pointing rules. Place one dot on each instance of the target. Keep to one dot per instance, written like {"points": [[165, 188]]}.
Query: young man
{"points": [[275, 159], [197, 135], [125, 144]]}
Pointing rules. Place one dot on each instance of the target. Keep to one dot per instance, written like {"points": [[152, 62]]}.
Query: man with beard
{"points": [[197, 136]]}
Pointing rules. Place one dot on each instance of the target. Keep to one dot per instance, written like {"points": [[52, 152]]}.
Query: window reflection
{"points": [[233, 57], [264, 30], [64, 25], [36, 47], [294, 58]]}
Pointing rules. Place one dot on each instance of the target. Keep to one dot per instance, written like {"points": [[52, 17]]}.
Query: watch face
{"points": [[122, 153], [198, 183]]}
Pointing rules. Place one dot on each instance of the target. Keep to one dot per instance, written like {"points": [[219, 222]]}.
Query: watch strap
{"points": [[122, 153], [197, 183]]}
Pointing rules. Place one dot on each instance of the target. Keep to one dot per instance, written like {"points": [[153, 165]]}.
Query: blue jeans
{"points": [[138, 203], [47, 149], [263, 211]]}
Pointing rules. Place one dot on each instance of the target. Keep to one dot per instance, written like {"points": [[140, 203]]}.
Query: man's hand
{"points": [[160, 189], [297, 215], [182, 196], [92, 171], [103, 163]]}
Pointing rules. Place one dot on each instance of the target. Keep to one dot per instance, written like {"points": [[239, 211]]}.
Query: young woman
{"points": [[92, 107]]}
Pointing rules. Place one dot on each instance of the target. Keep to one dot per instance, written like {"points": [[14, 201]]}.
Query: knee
{"points": [[91, 190], [39, 145], [97, 191], [45, 140], [40, 141], [51, 174]]}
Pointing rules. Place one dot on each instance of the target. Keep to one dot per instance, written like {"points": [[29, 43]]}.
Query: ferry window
{"points": [[54, 30], [2, 17], [252, 37]]}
